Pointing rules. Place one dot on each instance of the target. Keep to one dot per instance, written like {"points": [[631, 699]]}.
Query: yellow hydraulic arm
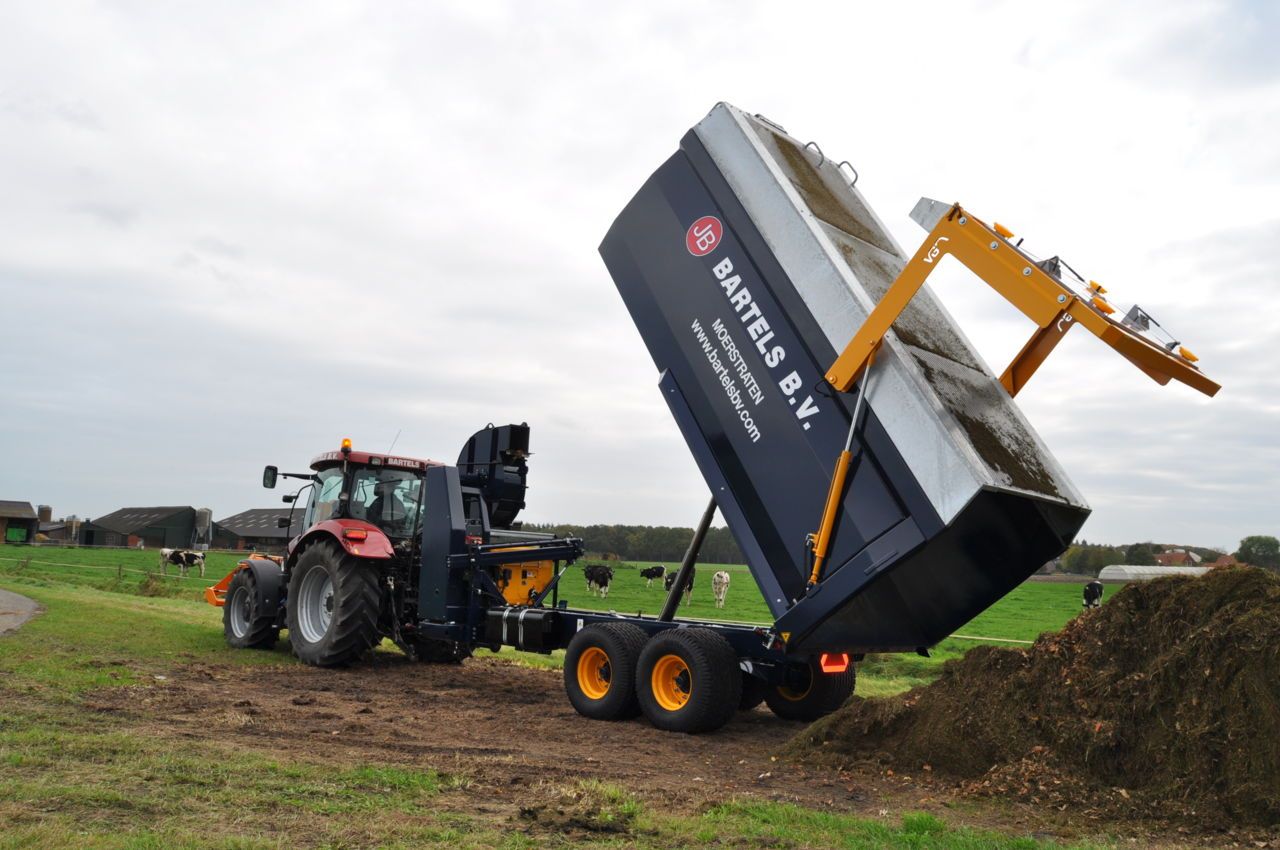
{"points": [[1046, 300]]}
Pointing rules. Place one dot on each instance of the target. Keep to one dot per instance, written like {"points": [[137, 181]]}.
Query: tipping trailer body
{"points": [[747, 262]]}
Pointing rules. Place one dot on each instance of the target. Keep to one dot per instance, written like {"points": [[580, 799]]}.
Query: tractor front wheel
{"points": [[334, 601], [246, 622]]}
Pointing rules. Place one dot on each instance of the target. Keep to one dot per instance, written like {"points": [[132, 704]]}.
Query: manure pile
{"points": [[1165, 701]]}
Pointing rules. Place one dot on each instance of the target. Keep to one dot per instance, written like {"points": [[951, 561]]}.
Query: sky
{"points": [[233, 234]]}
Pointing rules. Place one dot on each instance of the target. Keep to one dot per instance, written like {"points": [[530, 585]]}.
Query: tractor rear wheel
{"points": [[245, 621], [688, 680], [600, 671], [334, 601], [818, 695]]}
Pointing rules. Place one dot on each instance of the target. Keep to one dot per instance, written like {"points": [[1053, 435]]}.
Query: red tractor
{"points": [[355, 574]]}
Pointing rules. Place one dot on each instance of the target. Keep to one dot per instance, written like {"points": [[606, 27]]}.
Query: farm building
{"points": [[174, 527], [256, 529], [1178, 558], [18, 522], [1126, 572]]}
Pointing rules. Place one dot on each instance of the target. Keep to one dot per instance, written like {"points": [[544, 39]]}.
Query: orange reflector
{"points": [[834, 662], [1003, 231], [1187, 354], [355, 534]]}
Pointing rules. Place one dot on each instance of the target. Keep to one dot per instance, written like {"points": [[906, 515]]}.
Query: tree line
{"points": [[1085, 558], [657, 543]]}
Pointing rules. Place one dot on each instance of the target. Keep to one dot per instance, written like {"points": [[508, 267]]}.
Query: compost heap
{"points": [[1165, 701]]}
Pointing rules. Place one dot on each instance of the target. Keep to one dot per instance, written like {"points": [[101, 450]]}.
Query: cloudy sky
{"points": [[231, 235]]}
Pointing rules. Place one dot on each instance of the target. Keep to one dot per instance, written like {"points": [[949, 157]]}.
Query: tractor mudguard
{"points": [[357, 537], [269, 577]]}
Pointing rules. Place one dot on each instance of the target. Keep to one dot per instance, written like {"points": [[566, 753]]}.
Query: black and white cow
{"points": [[650, 573], [720, 587], [183, 559], [1093, 594], [598, 578], [192, 559], [670, 581]]}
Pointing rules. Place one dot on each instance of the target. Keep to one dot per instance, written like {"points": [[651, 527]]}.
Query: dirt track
{"points": [[15, 610], [511, 732], [501, 725]]}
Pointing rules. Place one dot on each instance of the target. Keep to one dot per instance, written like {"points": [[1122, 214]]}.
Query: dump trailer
{"points": [[879, 478]]}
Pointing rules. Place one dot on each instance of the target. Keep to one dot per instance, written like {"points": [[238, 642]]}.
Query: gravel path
{"points": [[15, 610]]}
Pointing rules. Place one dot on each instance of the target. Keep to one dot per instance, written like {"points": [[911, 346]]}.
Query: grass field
{"points": [[1022, 615], [74, 777]]}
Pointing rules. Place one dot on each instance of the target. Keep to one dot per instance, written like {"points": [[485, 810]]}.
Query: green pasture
{"points": [[75, 777], [1029, 610]]}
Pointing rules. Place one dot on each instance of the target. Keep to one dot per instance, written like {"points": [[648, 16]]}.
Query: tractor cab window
{"points": [[387, 498], [324, 497]]}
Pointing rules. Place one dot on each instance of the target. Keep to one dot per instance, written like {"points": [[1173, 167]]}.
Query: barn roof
{"points": [[261, 522], [127, 520], [16, 510]]}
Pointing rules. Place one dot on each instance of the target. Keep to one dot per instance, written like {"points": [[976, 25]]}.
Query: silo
{"points": [[204, 527]]}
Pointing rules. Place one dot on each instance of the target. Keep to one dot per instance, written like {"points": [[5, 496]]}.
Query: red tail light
{"points": [[355, 533], [474, 540], [834, 662]]}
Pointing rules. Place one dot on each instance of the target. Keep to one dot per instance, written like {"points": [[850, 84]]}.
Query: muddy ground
{"points": [[511, 730]]}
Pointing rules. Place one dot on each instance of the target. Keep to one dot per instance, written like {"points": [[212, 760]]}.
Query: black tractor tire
{"points": [[333, 606], [600, 671], [688, 681], [245, 621], [430, 651], [753, 692], [823, 694]]}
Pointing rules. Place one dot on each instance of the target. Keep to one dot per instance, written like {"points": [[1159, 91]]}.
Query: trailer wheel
{"points": [[689, 680], [600, 671], [821, 694], [245, 622], [753, 692], [333, 607]]}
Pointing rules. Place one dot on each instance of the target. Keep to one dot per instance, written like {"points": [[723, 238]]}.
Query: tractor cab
{"points": [[382, 490]]}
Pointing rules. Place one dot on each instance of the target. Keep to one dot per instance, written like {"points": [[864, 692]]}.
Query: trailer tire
{"points": [[333, 606], [600, 670], [245, 621], [753, 692], [689, 681], [824, 694]]}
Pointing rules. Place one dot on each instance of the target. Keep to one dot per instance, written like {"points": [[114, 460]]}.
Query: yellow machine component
{"points": [[593, 673], [1051, 304], [672, 682], [519, 583]]}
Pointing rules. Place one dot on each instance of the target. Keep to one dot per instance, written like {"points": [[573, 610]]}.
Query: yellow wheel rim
{"points": [[672, 682], [594, 673], [793, 695]]}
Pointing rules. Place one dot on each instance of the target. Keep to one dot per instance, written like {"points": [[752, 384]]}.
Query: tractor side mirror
{"points": [[269, 477], [282, 522]]}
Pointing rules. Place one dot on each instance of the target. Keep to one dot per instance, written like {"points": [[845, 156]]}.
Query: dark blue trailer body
{"points": [[742, 354]]}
